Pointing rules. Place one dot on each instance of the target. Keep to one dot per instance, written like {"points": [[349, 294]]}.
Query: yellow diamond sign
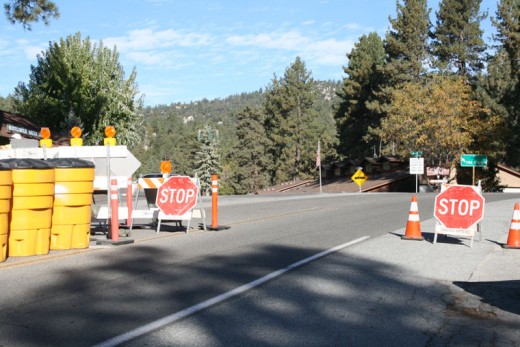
{"points": [[359, 177]]}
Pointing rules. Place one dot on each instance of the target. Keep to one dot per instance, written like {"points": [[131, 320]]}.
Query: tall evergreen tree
{"points": [[406, 43], [457, 38], [293, 124], [407, 53], [507, 22], [251, 155], [207, 158], [353, 117]]}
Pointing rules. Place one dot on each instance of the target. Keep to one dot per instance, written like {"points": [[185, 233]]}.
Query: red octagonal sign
{"points": [[177, 195], [459, 207]]}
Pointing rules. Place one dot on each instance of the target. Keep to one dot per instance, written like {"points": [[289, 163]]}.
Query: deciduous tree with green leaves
{"points": [[436, 116], [76, 81], [7, 103]]}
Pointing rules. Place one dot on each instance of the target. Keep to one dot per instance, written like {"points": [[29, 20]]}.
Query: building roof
{"points": [[12, 123]]}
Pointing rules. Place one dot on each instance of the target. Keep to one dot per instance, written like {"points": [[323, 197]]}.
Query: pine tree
{"points": [[207, 158], [250, 157], [407, 55], [293, 124], [507, 22], [457, 38], [30, 11], [353, 117], [406, 43]]}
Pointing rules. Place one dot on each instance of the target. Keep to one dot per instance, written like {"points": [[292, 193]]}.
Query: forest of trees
{"points": [[431, 86]]}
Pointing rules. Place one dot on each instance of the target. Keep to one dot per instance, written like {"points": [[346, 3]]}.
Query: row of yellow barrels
{"points": [[44, 205]]}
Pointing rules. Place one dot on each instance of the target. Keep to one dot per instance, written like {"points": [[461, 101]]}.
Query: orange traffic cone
{"points": [[413, 227], [513, 240]]}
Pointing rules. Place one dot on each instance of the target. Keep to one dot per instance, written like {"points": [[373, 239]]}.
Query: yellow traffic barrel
{"points": [[31, 208], [71, 216], [6, 183]]}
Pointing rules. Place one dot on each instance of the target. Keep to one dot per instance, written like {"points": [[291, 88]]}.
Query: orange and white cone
{"points": [[413, 227], [513, 240]]}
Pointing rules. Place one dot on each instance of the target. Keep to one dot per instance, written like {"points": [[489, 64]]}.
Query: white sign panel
{"points": [[416, 166]]}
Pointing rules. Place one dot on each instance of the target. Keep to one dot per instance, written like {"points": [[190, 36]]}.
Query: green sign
{"points": [[416, 154], [470, 160]]}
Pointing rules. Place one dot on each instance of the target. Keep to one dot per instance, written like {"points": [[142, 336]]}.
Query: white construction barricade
{"points": [[150, 184]]}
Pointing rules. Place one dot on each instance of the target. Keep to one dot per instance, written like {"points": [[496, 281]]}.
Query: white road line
{"points": [[145, 329]]}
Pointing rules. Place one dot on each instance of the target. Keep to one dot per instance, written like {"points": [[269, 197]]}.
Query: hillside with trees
{"points": [[258, 139]]}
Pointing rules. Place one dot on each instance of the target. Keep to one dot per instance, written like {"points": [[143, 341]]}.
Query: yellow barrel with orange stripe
{"points": [[71, 216], [30, 216]]}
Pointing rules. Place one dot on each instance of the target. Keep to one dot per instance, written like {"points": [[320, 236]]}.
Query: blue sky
{"points": [[188, 50]]}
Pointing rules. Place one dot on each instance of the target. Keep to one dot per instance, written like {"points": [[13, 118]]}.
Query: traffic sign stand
{"points": [[459, 210], [175, 201], [441, 229]]}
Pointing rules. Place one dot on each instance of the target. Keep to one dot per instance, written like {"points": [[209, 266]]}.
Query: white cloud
{"points": [[145, 39], [287, 41], [158, 48], [329, 52], [32, 51], [319, 51]]}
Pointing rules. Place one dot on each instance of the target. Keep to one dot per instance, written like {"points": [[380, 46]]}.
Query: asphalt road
{"points": [[88, 297]]}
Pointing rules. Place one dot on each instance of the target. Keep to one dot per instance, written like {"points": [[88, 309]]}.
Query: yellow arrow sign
{"points": [[359, 177]]}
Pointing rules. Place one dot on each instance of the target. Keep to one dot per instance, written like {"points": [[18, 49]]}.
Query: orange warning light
{"points": [[45, 133], [110, 131], [45, 141], [76, 139], [76, 132], [166, 166]]}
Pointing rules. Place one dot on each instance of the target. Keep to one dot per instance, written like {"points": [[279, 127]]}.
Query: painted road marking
{"points": [[145, 329]]}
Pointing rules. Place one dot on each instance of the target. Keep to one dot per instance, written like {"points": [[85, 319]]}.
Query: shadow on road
{"points": [[338, 300], [504, 295]]}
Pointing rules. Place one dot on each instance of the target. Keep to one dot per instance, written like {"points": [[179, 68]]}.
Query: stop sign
{"points": [[459, 207], [177, 195]]}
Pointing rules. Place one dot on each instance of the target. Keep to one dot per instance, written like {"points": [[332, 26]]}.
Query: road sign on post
{"points": [[472, 160], [416, 168], [459, 207], [177, 195], [359, 178]]}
